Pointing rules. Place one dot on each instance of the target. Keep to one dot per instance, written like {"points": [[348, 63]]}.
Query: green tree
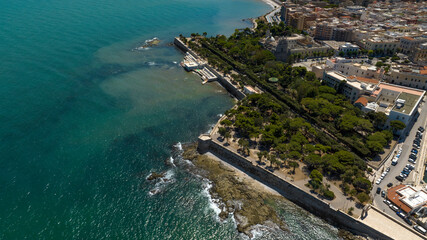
{"points": [[316, 179], [293, 165], [329, 194], [244, 144], [397, 125], [313, 161], [222, 131], [362, 184], [363, 197], [227, 136]]}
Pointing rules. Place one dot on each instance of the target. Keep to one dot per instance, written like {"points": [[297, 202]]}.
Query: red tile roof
{"points": [[394, 197], [362, 101], [365, 80], [408, 38]]}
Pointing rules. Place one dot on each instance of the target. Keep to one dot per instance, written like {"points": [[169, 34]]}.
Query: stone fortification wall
{"points": [[290, 191]]}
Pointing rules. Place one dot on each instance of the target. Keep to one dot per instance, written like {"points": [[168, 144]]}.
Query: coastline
{"points": [[273, 4], [238, 196]]}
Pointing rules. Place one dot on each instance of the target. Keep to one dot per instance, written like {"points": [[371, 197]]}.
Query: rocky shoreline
{"points": [[248, 206]]}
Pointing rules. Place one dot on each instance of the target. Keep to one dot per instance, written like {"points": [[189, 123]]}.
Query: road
{"points": [[415, 176], [271, 18]]}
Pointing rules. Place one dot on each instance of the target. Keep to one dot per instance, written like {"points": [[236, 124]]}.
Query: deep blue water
{"points": [[84, 119]]}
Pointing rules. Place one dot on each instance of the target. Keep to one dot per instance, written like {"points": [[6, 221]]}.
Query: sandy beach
{"points": [[272, 3]]}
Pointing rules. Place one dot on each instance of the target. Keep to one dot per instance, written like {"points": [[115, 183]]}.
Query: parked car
{"points": [[388, 169], [387, 202], [400, 178], [382, 193], [378, 190], [389, 184], [408, 221], [420, 229], [378, 181], [401, 214], [414, 150], [421, 129], [416, 146], [410, 166], [394, 208]]}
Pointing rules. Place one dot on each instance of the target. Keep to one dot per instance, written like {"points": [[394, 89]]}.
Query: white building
{"points": [[357, 69], [348, 48], [408, 76], [352, 87]]}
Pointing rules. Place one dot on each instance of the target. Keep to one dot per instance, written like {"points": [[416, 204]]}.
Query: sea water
{"points": [[86, 115]]}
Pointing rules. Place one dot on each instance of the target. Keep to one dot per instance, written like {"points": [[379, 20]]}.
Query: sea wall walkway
{"points": [[366, 227]]}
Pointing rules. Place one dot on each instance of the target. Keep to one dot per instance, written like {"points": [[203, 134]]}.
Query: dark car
{"points": [[414, 150], [413, 156], [382, 193], [399, 178], [408, 221], [378, 190], [421, 129], [416, 146], [389, 184]]}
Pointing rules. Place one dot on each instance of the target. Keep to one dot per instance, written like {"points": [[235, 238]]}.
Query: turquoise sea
{"points": [[85, 118]]}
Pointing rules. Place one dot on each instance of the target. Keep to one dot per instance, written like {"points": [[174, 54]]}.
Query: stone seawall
{"points": [[290, 191], [225, 83]]}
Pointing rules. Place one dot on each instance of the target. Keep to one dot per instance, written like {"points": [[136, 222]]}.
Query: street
{"points": [[415, 177]]}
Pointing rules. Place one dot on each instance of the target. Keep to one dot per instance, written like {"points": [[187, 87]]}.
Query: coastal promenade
{"points": [[374, 223], [222, 79]]}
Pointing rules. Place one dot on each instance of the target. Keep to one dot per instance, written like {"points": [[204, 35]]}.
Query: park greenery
{"points": [[297, 119], [283, 139]]}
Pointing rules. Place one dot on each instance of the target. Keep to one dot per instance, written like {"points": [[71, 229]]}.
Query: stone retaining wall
{"points": [[290, 191]]}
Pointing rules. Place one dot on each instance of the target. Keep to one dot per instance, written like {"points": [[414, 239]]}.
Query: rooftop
{"points": [[410, 102], [394, 197], [397, 89], [365, 80]]}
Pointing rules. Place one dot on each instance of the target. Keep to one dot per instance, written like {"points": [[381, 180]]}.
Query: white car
{"points": [[378, 181]]}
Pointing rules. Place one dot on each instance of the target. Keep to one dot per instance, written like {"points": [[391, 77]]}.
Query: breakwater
{"points": [[289, 190], [223, 80]]}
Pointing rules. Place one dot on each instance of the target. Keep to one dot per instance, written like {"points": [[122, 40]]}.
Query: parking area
{"points": [[405, 166]]}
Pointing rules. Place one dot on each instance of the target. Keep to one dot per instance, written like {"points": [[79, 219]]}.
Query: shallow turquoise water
{"points": [[85, 119]]}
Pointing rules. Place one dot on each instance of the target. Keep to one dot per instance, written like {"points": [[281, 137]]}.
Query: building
{"points": [[397, 102], [419, 54], [352, 87], [408, 199], [357, 69], [409, 44], [408, 76], [348, 48], [388, 46], [302, 46], [324, 31]]}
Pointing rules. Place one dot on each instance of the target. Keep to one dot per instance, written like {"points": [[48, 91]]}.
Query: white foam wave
{"points": [[178, 146], [151, 63], [162, 182], [171, 161], [213, 203], [175, 62]]}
